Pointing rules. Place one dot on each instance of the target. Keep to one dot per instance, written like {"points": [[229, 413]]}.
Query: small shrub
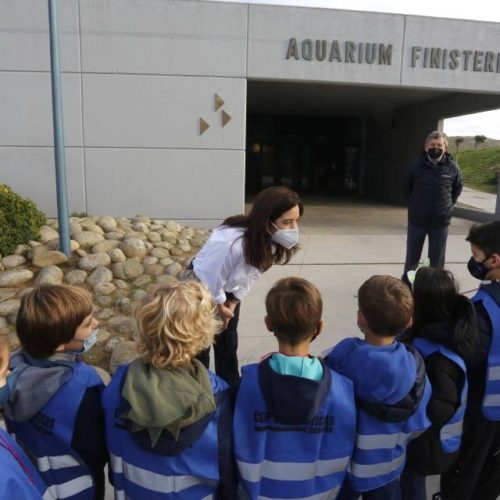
{"points": [[20, 220]]}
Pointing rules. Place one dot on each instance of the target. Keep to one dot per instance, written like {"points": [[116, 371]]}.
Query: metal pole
{"points": [[497, 207], [62, 197]]}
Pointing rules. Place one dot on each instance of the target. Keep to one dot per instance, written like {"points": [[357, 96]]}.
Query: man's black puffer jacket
{"points": [[432, 190]]}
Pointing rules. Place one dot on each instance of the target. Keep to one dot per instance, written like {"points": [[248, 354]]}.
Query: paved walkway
{"points": [[478, 199]]}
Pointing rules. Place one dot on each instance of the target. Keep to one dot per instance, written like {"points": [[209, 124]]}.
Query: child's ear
{"points": [[361, 322], [495, 261], [319, 329], [267, 322]]}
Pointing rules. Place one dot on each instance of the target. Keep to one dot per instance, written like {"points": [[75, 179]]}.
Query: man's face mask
{"points": [[435, 153]]}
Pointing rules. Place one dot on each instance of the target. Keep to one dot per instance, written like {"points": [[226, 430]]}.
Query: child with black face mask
{"points": [[477, 472]]}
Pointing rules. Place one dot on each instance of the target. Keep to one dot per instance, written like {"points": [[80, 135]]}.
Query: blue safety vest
{"points": [[380, 451], [18, 477], [47, 438], [491, 400], [139, 473], [307, 461], [451, 432]]}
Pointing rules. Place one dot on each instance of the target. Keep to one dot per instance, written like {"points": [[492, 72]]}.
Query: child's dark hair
{"points": [[294, 308], [486, 237], [268, 206], [49, 316], [386, 303], [436, 297]]}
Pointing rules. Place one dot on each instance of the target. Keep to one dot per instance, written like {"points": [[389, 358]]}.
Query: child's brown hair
{"points": [[386, 303], [49, 316], [294, 307]]}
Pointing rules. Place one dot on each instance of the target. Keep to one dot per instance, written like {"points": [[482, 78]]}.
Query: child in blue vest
{"points": [[168, 418], [391, 388], [477, 472], [444, 332], [18, 477], [294, 421], [53, 406]]}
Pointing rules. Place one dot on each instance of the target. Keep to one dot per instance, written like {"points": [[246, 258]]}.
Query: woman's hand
{"points": [[4, 358], [226, 312]]}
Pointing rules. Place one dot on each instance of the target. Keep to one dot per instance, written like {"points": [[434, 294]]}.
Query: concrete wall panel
{"points": [[24, 35], [26, 109], [164, 37], [173, 183], [270, 29], [483, 73], [162, 112], [31, 173]]}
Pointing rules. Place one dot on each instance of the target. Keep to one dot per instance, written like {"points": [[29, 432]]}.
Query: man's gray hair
{"points": [[437, 135]]}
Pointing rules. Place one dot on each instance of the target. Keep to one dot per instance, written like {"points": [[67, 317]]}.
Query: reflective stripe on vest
{"points": [[380, 450], [61, 468], [140, 473], [264, 448], [285, 471], [71, 488], [153, 481], [451, 433], [491, 400]]}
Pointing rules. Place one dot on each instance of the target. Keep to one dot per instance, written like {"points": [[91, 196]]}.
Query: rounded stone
{"points": [[22, 249], [107, 223], [9, 306], [121, 285], [166, 279], [118, 271], [164, 244], [4, 327], [93, 261], [75, 227], [141, 218], [49, 275], [169, 236], [154, 270], [88, 239], [117, 255], [105, 246], [12, 261], [115, 235], [123, 352], [173, 226], [176, 251], [124, 305], [133, 247], [132, 268], [105, 314], [14, 278], [166, 261], [141, 227], [185, 247], [7, 293], [47, 233], [138, 295], [148, 261], [43, 257], [122, 324], [100, 275], [104, 300], [153, 237], [159, 253], [141, 281], [92, 226], [76, 277], [104, 288]]}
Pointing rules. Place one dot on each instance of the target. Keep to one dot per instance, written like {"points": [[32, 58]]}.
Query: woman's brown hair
{"points": [[268, 206]]}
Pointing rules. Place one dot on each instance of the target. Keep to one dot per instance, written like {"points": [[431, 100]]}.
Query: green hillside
{"points": [[476, 166]]}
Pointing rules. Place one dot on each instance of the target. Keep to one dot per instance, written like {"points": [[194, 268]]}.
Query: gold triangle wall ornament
{"points": [[203, 126], [225, 118], [218, 102]]}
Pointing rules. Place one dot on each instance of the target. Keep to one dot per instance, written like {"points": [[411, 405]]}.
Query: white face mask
{"points": [[287, 238], [89, 342]]}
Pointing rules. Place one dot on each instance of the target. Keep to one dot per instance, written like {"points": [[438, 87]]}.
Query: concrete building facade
{"points": [[165, 100]]}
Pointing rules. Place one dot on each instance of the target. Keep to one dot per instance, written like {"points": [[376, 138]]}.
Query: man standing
{"points": [[434, 183]]}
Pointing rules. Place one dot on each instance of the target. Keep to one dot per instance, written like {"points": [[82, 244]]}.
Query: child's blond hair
{"points": [[175, 323]]}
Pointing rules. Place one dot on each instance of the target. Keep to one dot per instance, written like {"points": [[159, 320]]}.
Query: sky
{"points": [[487, 123]]}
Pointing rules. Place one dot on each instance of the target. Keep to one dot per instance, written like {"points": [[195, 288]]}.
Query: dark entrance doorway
{"points": [[311, 154]]}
